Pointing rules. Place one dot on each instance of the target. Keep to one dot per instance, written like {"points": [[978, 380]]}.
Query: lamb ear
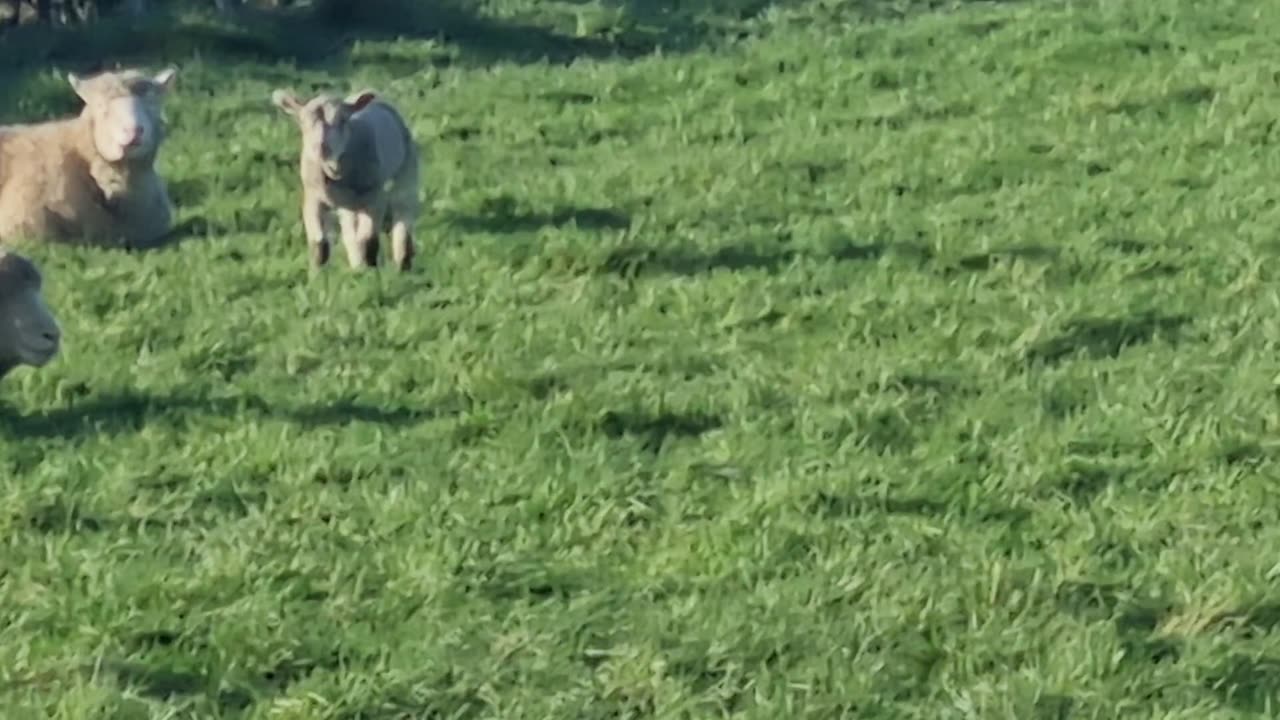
{"points": [[164, 78], [285, 100], [359, 100]]}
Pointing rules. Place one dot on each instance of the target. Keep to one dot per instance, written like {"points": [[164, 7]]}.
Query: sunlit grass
{"points": [[864, 368]]}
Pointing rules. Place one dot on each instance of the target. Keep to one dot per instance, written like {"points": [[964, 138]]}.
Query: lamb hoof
{"points": [[370, 252], [404, 260], [319, 254]]}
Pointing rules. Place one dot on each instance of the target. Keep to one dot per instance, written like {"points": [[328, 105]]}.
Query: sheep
{"points": [[359, 159], [91, 178], [29, 333]]}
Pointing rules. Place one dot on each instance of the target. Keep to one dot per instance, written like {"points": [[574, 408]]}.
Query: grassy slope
{"points": [[923, 369]]}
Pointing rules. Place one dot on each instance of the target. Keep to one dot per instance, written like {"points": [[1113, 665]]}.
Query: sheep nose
{"points": [[133, 135], [52, 336]]}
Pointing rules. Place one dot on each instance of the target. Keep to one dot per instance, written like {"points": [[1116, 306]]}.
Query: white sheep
{"points": [[359, 159], [29, 333], [90, 179]]}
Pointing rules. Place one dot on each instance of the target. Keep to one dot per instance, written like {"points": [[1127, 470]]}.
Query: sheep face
{"points": [[323, 121], [125, 110], [29, 333]]}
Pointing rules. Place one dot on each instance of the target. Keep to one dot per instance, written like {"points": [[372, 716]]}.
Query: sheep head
{"points": [[325, 123], [29, 333], [124, 108]]}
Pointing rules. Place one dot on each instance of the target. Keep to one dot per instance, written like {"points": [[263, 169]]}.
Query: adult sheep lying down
{"points": [[90, 179], [29, 333]]}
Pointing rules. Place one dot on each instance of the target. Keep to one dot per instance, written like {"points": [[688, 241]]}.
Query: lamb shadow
{"points": [[166, 685], [1105, 337], [344, 412], [830, 505], [128, 412], [1094, 601], [636, 261], [501, 215], [60, 518], [850, 251], [985, 261], [655, 430]]}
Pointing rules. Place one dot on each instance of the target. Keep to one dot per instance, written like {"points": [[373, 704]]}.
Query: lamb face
{"points": [[325, 124], [125, 110], [29, 333]]}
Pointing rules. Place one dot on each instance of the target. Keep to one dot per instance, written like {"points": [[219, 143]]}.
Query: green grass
{"points": [[830, 362]]}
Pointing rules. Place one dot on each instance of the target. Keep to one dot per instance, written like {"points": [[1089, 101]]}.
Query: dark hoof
{"points": [[405, 261], [405, 264], [371, 254], [320, 254]]}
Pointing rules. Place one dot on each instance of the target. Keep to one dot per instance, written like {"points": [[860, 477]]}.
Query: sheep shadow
{"points": [[122, 413]]}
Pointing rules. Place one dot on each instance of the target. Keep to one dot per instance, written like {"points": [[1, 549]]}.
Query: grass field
{"points": [[826, 361]]}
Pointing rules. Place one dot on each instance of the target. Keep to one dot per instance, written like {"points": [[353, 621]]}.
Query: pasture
{"points": [[838, 360]]}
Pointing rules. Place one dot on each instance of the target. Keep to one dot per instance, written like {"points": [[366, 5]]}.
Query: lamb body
{"points": [[29, 333], [360, 162], [90, 179]]}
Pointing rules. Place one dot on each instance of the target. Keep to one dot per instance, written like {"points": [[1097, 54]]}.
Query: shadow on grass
{"points": [[834, 506], [169, 684], [633, 262], [1154, 632], [120, 413], [503, 215], [636, 261], [326, 34], [655, 430], [1105, 337]]}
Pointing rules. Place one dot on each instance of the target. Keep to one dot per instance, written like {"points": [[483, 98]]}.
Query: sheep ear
{"points": [[77, 84], [285, 100], [164, 78], [359, 100]]}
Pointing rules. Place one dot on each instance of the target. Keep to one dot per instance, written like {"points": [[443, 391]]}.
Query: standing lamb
{"points": [[90, 179], [29, 334], [359, 159]]}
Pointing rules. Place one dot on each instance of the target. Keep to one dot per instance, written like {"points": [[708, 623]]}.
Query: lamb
{"points": [[359, 159], [29, 333], [90, 179]]}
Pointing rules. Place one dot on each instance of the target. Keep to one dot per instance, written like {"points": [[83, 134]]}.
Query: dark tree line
{"points": [[74, 12]]}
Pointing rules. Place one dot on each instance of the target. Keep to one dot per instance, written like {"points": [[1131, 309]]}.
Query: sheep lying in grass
{"points": [[359, 159], [90, 179], [29, 334]]}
